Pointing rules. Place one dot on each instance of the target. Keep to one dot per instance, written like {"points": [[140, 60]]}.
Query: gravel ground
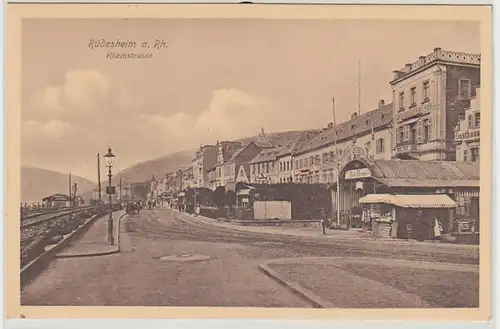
{"points": [[370, 286], [137, 277]]}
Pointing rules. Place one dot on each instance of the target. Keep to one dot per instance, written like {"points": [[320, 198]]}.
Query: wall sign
{"points": [[469, 134], [358, 173]]}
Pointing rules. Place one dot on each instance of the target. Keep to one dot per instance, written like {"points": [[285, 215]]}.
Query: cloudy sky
{"points": [[218, 79]]}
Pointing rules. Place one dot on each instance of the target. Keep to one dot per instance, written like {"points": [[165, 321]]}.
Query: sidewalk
{"points": [[94, 242], [331, 235]]}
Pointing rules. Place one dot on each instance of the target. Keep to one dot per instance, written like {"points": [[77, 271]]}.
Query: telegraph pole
{"points": [[99, 177], [70, 192], [120, 189], [337, 163]]}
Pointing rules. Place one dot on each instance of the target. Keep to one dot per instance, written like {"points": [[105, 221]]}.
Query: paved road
{"points": [[138, 276]]}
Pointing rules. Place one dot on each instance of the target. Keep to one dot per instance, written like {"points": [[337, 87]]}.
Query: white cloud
{"points": [[54, 129], [231, 114], [48, 101]]}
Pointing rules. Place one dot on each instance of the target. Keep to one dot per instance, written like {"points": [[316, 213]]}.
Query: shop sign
{"points": [[358, 173], [244, 200], [464, 227], [469, 134]]}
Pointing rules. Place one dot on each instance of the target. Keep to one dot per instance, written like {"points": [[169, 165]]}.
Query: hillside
{"points": [[143, 171], [37, 183]]}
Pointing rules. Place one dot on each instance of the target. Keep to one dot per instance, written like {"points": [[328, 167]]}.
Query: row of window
{"points": [[413, 96], [286, 165], [471, 155], [414, 133], [474, 120], [262, 168], [285, 180], [464, 92]]}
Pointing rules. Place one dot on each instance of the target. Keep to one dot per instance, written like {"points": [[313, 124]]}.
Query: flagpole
{"points": [[359, 87], [336, 162]]}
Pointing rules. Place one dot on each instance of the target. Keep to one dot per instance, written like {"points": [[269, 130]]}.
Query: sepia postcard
{"points": [[249, 161]]}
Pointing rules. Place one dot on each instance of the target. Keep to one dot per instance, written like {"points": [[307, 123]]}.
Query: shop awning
{"points": [[437, 201], [244, 192]]}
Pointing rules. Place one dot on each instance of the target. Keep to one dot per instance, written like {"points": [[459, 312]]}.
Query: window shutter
{"points": [[418, 132], [398, 136]]}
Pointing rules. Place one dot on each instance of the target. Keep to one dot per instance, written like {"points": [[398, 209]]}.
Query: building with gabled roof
{"points": [[316, 161]]}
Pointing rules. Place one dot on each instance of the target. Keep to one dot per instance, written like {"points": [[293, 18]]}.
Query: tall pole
{"points": [[70, 192], [99, 177], [120, 189], [336, 162], [359, 87], [110, 219]]}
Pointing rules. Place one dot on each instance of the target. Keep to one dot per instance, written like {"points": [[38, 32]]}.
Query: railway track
{"points": [[34, 225], [34, 219]]}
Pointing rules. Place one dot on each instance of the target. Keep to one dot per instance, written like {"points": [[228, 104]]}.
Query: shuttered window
{"points": [[398, 135], [380, 145], [418, 132]]}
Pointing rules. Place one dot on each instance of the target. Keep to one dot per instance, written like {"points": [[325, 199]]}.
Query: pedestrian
{"points": [[323, 226], [197, 213]]}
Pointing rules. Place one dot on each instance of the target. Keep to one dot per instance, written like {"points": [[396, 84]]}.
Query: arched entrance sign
{"points": [[355, 153]]}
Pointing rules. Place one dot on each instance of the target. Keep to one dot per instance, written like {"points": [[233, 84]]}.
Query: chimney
{"points": [[381, 103], [330, 124], [407, 67], [354, 115], [437, 49]]}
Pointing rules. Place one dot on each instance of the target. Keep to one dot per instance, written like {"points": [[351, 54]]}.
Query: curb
{"points": [[101, 253], [33, 268], [315, 300]]}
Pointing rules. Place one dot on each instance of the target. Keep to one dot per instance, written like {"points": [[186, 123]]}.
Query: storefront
{"points": [[420, 217], [362, 176]]}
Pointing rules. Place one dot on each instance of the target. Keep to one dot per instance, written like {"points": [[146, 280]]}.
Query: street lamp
{"points": [[110, 160]]}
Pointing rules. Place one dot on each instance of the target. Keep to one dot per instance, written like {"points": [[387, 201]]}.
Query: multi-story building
{"points": [[263, 169], [204, 160], [428, 96], [467, 133], [188, 178], [173, 182], [223, 173], [317, 160], [237, 168], [284, 161]]}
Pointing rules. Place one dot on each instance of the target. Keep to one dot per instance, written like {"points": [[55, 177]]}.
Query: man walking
{"points": [[323, 226]]}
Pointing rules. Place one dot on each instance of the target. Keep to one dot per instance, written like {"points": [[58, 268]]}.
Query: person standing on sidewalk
{"points": [[323, 226]]}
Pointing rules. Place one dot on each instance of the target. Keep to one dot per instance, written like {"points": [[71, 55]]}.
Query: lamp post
{"points": [[110, 158]]}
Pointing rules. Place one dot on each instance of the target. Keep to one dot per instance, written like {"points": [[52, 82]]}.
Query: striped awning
{"points": [[437, 201]]}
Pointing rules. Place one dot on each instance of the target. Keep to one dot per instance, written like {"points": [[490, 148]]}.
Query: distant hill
{"points": [[143, 171], [37, 183]]}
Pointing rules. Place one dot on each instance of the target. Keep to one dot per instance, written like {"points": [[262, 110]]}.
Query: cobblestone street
{"points": [[218, 266]]}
